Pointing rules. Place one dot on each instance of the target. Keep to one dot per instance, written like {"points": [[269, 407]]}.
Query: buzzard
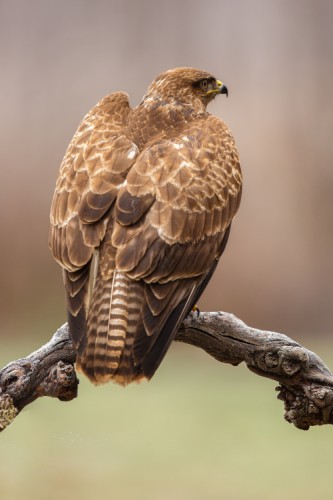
{"points": [[140, 216]]}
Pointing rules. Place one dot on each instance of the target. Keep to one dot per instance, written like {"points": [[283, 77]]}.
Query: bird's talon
{"points": [[195, 309]]}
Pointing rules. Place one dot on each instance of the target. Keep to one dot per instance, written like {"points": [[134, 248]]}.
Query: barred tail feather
{"points": [[112, 322], [131, 325], [128, 330]]}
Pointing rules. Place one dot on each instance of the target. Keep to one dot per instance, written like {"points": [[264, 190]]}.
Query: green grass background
{"points": [[199, 430]]}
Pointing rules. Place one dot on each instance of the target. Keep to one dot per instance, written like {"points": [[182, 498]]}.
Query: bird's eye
{"points": [[204, 84]]}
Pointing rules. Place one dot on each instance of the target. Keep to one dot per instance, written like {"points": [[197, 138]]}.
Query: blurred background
{"points": [[192, 433]]}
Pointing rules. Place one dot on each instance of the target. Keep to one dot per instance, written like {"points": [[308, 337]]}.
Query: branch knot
{"points": [[61, 382], [286, 361]]}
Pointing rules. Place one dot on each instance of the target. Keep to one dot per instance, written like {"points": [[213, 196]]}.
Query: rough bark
{"points": [[305, 382]]}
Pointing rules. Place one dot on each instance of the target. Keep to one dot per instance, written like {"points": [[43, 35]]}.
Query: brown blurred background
{"points": [[201, 429], [59, 58]]}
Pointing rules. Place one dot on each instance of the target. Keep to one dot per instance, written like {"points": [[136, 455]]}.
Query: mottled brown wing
{"points": [[95, 165], [185, 190]]}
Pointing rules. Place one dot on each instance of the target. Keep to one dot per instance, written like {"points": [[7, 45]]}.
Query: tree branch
{"points": [[306, 384]]}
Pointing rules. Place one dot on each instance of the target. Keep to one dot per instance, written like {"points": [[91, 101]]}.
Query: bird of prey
{"points": [[140, 216]]}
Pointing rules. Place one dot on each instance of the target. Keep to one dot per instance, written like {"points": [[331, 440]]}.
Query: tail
{"points": [[130, 323], [130, 326], [106, 352]]}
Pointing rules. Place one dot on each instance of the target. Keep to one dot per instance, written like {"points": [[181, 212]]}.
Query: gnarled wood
{"points": [[306, 384], [49, 371]]}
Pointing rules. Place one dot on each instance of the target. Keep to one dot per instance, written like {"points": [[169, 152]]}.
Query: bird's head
{"points": [[187, 85]]}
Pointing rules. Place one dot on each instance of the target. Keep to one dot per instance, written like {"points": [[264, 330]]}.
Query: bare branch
{"points": [[49, 371], [306, 384]]}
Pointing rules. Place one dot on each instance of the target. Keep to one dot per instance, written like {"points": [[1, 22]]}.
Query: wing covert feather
{"points": [[182, 225], [196, 190], [95, 165]]}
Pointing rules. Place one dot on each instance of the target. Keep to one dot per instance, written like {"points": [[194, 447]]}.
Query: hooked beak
{"points": [[221, 88]]}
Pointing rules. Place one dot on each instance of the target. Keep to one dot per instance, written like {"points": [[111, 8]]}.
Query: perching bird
{"points": [[140, 217]]}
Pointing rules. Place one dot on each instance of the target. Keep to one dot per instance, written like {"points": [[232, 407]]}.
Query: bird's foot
{"points": [[195, 310]]}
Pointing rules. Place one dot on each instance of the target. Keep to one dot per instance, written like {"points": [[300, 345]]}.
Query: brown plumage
{"points": [[140, 216]]}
